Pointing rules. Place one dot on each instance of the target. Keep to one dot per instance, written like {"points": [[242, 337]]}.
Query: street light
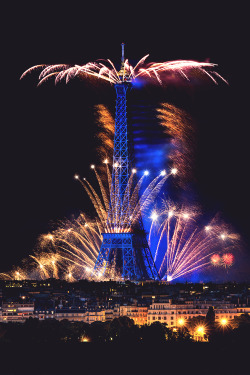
{"points": [[181, 322], [200, 332], [223, 322]]}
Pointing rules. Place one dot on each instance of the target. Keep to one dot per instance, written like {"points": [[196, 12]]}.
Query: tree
{"points": [[183, 335], [122, 329], [97, 332], [210, 317], [154, 333], [242, 320]]}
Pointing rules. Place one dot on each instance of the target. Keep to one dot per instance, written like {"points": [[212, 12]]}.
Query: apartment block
{"points": [[171, 313], [16, 312]]}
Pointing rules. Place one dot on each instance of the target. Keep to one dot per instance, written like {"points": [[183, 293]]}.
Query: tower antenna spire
{"points": [[123, 59], [122, 72]]}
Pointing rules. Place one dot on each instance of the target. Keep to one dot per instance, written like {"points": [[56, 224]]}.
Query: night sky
{"points": [[48, 133]]}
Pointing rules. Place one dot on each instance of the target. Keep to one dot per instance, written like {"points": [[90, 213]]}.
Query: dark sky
{"points": [[48, 133]]}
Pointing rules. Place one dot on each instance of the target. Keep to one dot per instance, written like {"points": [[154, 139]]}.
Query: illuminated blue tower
{"points": [[126, 253]]}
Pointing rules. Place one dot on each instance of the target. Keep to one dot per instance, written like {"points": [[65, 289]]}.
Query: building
{"points": [[75, 314], [161, 309], [137, 313], [174, 313], [16, 311], [71, 313], [94, 315]]}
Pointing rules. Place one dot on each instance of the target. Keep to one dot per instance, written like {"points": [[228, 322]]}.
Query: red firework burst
{"points": [[228, 259]]}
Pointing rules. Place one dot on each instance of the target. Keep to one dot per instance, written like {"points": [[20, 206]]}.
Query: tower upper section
{"points": [[124, 73]]}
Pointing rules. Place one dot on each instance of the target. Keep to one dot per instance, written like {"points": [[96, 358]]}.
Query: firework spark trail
{"points": [[178, 126], [148, 196], [40, 262], [99, 207], [117, 217], [81, 231], [189, 248], [51, 69], [17, 273], [105, 135], [121, 214], [32, 69]]}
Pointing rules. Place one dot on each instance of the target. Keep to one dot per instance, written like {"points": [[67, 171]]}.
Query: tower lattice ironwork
{"points": [[124, 253]]}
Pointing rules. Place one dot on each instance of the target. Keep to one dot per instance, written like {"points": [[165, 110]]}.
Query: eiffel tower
{"points": [[126, 253]]}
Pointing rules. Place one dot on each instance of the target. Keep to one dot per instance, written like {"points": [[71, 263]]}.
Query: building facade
{"points": [[164, 311], [137, 313], [16, 312], [172, 314]]}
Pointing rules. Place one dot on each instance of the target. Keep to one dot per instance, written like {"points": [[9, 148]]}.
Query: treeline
{"points": [[122, 330], [119, 330]]}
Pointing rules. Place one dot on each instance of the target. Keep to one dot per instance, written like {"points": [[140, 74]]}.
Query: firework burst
{"points": [[188, 247], [228, 260], [70, 251], [215, 260], [106, 71]]}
